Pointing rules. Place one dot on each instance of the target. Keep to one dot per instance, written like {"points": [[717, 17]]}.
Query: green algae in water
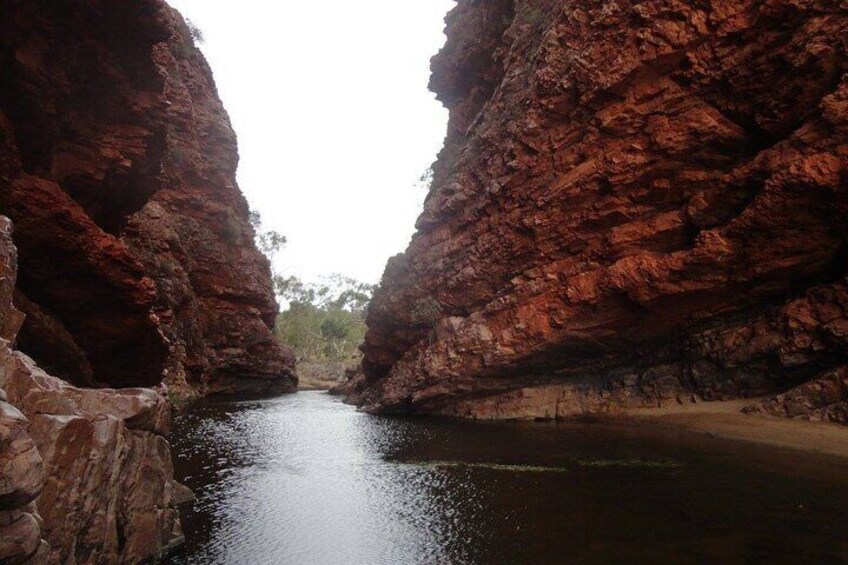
{"points": [[629, 464], [490, 466], [518, 468]]}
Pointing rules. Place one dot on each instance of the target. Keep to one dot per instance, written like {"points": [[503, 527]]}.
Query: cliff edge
{"points": [[129, 262], [639, 204], [117, 167]]}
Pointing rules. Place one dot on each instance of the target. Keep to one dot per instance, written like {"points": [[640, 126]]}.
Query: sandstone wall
{"points": [[135, 267], [117, 166], [638, 203], [85, 474]]}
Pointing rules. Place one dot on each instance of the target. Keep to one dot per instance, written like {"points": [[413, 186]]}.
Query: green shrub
{"points": [[324, 325], [194, 32], [533, 16]]}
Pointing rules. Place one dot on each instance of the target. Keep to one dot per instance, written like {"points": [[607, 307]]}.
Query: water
{"points": [[305, 479]]}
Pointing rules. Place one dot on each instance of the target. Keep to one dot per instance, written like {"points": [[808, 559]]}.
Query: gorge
{"points": [[640, 208]]}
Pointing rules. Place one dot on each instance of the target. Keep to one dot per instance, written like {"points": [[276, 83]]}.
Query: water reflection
{"points": [[306, 479]]}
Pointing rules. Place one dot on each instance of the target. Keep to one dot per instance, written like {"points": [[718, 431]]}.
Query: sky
{"points": [[334, 119]]}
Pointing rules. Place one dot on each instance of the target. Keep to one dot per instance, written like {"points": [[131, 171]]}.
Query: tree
{"points": [[269, 242], [324, 324], [195, 32], [293, 290], [425, 181]]}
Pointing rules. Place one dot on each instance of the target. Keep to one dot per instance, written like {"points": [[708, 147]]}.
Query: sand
{"points": [[726, 420]]}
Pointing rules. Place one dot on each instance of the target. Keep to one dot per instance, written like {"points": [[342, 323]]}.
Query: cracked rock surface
{"points": [[638, 204], [117, 166], [85, 474]]}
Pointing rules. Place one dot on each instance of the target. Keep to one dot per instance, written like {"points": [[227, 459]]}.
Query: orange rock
{"points": [[670, 220], [117, 165]]}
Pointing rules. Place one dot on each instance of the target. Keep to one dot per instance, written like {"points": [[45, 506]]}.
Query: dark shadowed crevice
{"points": [[89, 156], [44, 338], [47, 118], [119, 341]]}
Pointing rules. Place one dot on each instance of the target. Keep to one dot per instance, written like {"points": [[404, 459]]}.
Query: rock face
{"points": [[638, 204], [85, 474], [135, 267], [117, 166]]}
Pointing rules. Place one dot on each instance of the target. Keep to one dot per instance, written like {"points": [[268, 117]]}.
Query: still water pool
{"points": [[305, 479]]}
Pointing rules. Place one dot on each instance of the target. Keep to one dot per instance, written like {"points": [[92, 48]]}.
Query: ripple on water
{"points": [[306, 479]]}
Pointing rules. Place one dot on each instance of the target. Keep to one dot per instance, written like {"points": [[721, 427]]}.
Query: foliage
{"points": [[324, 324], [532, 15], [269, 242], [230, 229], [321, 333], [335, 292], [425, 181], [195, 32]]}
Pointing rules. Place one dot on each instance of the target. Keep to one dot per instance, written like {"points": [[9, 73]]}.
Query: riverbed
{"points": [[306, 479]]}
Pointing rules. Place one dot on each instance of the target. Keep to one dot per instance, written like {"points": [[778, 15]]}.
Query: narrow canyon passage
{"points": [[307, 479], [628, 214]]}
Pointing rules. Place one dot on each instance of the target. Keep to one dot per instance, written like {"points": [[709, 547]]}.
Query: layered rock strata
{"points": [[135, 267], [638, 204], [85, 474], [117, 166]]}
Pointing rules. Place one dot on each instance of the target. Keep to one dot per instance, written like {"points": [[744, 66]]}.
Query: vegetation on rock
{"points": [[323, 323]]}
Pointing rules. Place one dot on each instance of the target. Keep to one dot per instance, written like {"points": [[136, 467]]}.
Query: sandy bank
{"points": [[726, 420]]}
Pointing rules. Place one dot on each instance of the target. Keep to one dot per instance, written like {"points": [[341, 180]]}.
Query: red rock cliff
{"points": [[135, 265], [638, 203], [85, 474], [117, 167]]}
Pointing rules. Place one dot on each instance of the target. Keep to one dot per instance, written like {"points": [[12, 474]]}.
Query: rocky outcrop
{"points": [[638, 204], [117, 166], [101, 467], [85, 474], [135, 267]]}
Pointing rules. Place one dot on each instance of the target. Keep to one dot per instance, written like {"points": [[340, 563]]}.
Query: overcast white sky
{"points": [[335, 123]]}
